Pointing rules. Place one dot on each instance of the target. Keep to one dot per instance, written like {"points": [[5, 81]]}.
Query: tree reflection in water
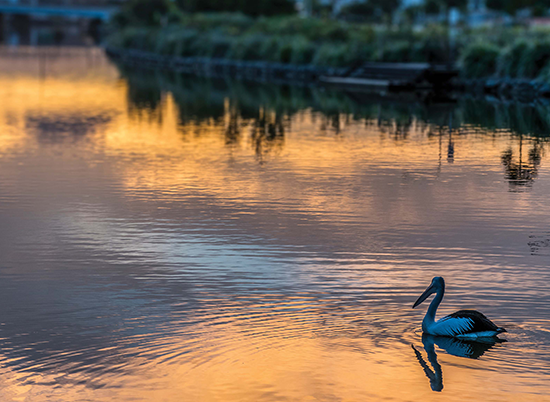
{"points": [[232, 124], [457, 347], [266, 110], [451, 145], [268, 133], [519, 173]]}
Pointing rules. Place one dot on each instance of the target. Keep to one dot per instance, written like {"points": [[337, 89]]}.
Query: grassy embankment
{"points": [[502, 52]]}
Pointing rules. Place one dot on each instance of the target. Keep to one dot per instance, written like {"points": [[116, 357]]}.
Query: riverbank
{"points": [[287, 40], [261, 71], [502, 61], [506, 88], [512, 52], [206, 66]]}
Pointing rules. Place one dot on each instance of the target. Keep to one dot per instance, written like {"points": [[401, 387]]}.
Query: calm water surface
{"points": [[166, 238]]}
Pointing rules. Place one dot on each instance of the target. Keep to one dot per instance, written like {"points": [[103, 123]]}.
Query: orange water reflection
{"points": [[160, 254]]}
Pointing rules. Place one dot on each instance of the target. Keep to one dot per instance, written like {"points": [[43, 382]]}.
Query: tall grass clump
{"points": [[333, 55], [479, 60], [534, 59], [511, 58], [278, 39], [248, 47], [146, 13], [162, 28]]}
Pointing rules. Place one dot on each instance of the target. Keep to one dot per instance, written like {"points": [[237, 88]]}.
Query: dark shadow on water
{"points": [[57, 128], [522, 170], [540, 244], [200, 99], [261, 114], [457, 347]]}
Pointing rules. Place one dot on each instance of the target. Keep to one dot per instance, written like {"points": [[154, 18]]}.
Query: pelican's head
{"points": [[437, 284]]}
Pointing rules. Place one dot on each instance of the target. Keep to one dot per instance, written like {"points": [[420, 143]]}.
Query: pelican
{"points": [[462, 324]]}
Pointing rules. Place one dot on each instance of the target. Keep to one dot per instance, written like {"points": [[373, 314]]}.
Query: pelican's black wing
{"points": [[474, 322]]}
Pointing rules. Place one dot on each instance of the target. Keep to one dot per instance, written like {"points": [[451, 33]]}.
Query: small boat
{"points": [[462, 324]]}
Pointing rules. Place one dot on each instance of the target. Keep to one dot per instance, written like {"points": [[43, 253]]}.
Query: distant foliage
{"points": [[370, 10], [146, 13], [431, 46], [511, 59], [536, 7], [526, 59], [312, 28], [247, 47], [480, 60], [289, 39], [534, 59], [481, 52], [358, 11], [331, 55], [248, 7]]}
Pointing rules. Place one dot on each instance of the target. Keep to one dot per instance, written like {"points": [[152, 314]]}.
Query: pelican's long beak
{"points": [[424, 296]]}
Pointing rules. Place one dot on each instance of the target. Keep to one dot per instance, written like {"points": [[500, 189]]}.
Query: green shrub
{"points": [[218, 45], [430, 49], [358, 11], [399, 51], [115, 40], [544, 74], [285, 51], [186, 43], [249, 7], [303, 50], [331, 55], [247, 47], [145, 13], [311, 28], [270, 49], [534, 59], [167, 42], [325, 42], [511, 58], [138, 38], [479, 60], [362, 52], [363, 33], [233, 23]]}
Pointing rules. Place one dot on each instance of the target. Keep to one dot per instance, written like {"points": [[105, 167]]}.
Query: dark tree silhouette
{"points": [[249, 7], [520, 173]]}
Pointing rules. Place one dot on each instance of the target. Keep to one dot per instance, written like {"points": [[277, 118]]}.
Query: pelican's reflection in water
{"points": [[456, 347]]}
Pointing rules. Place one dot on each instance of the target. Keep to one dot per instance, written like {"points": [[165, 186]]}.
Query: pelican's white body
{"points": [[456, 327]]}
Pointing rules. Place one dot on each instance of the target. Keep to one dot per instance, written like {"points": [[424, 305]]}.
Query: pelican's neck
{"points": [[430, 314]]}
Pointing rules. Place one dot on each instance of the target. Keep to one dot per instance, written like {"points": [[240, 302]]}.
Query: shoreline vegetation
{"points": [[495, 58]]}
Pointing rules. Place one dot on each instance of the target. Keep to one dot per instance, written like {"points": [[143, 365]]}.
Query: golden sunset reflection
{"points": [[156, 251]]}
